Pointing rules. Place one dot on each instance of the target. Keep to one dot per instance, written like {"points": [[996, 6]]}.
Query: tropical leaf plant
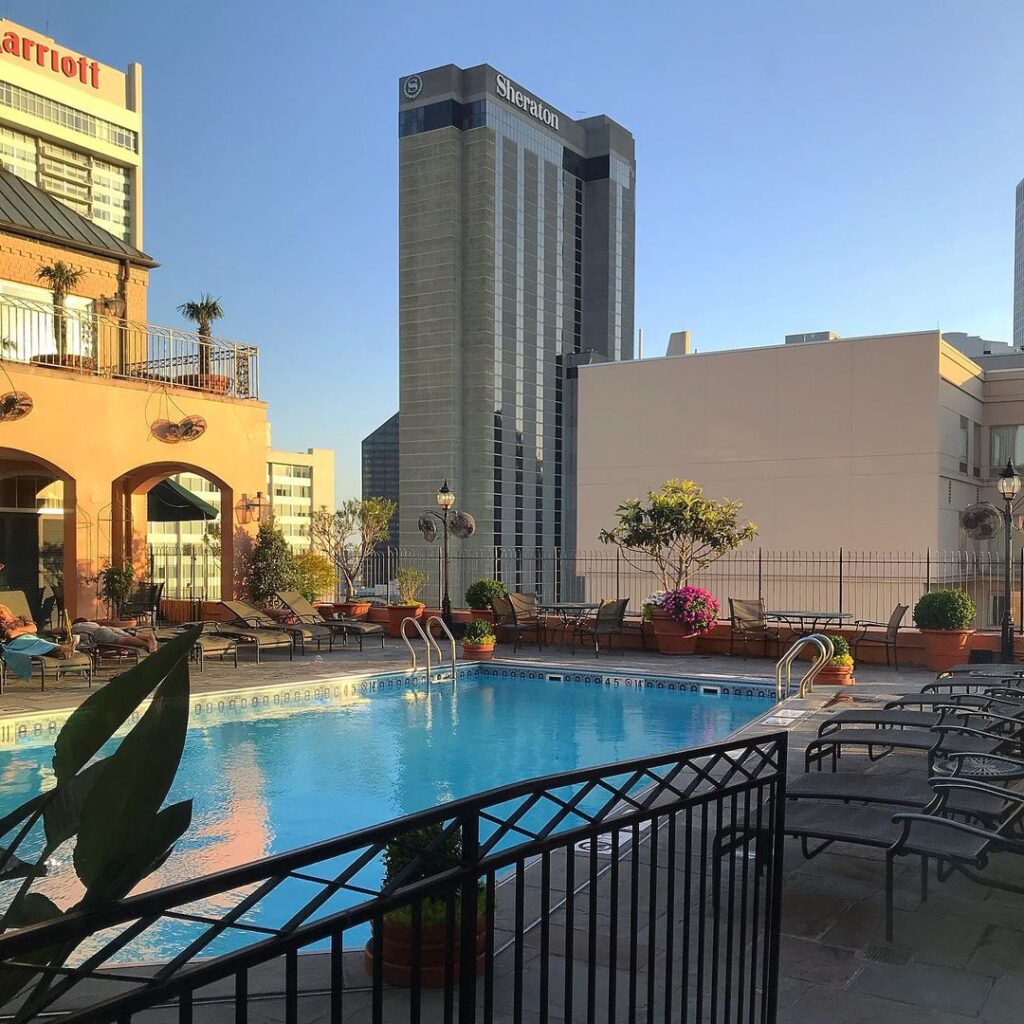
{"points": [[112, 808], [62, 279], [202, 312]]}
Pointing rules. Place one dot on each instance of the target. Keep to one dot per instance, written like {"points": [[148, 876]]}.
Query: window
{"points": [[1005, 443], [964, 441], [976, 452]]}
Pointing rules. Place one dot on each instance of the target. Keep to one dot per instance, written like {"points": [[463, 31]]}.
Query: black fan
{"points": [[191, 427], [981, 521], [427, 527], [15, 405], [462, 525]]}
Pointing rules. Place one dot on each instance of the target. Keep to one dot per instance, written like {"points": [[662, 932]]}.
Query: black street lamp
{"points": [[1009, 488], [462, 524]]}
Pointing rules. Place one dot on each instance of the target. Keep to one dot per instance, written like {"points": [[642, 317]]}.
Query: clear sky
{"points": [[826, 164]]}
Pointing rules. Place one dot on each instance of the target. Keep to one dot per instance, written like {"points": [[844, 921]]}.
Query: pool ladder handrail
{"points": [[826, 651], [428, 640], [451, 640]]}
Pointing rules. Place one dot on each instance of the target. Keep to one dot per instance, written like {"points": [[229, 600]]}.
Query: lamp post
{"points": [[460, 523], [1009, 488]]}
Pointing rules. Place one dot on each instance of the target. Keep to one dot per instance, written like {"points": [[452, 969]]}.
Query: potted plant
{"points": [[945, 618], [478, 597], [347, 538], [116, 585], [409, 581], [202, 313], [680, 616], [839, 670], [269, 567], [436, 853], [62, 279], [478, 641], [676, 532]]}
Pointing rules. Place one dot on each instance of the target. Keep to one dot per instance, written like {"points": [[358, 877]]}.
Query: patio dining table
{"points": [[806, 622], [570, 613]]}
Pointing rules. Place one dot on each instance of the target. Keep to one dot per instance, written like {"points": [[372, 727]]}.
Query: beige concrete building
{"points": [[73, 127], [298, 483], [872, 444]]}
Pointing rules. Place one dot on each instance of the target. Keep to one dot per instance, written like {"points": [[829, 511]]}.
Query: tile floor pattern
{"points": [[957, 958]]}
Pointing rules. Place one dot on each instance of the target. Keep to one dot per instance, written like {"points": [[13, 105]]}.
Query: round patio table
{"points": [[982, 767], [571, 613], [805, 622]]}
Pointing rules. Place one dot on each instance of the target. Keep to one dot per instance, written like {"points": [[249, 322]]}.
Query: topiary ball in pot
{"points": [[945, 619]]}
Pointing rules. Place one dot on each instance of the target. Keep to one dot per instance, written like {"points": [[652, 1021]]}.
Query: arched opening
{"points": [[174, 522], [38, 547]]}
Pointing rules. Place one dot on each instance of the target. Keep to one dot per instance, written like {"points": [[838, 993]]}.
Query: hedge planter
{"points": [[478, 652], [670, 636], [398, 950], [944, 648], [835, 675], [397, 613], [484, 614], [214, 383], [353, 609]]}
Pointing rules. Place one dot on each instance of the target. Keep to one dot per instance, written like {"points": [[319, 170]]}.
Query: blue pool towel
{"points": [[19, 652]]}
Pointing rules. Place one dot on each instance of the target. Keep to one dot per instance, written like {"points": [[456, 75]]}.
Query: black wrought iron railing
{"points": [[601, 894]]}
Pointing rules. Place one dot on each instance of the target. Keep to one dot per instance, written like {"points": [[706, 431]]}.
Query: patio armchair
{"points": [[144, 604], [607, 622], [863, 634], [512, 614], [749, 620]]}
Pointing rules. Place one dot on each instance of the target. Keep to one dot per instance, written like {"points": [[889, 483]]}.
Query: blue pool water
{"points": [[276, 770]]}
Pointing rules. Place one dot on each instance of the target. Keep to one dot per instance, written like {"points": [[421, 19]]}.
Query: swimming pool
{"points": [[278, 768]]}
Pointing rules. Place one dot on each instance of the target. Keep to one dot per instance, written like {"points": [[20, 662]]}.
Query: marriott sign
{"points": [[507, 91]]}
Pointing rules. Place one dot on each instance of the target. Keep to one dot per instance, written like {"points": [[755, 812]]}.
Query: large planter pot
{"points": [[670, 636], [119, 623], [944, 648], [215, 383], [477, 652], [398, 950], [481, 613], [397, 613], [353, 609], [69, 362], [835, 675]]}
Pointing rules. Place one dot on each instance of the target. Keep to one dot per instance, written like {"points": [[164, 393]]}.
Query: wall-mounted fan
{"points": [[427, 527], [981, 521], [462, 525], [15, 405], [172, 431]]}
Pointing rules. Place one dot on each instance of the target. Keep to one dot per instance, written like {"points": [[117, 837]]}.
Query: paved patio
{"points": [[957, 958]]}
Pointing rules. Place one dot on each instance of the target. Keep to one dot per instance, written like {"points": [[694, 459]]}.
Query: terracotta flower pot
{"points": [[215, 383], [353, 609], [944, 648], [835, 675], [485, 614], [119, 623], [69, 361], [477, 652], [399, 612], [670, 636], [398, 949]]}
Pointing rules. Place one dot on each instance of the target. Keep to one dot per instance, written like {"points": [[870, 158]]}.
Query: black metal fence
{"points": [[865, 584], [189, 572], [642, 891]]}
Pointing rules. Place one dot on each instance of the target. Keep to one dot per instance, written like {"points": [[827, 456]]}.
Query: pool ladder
{"points": [[825, 652], [429, 640]]}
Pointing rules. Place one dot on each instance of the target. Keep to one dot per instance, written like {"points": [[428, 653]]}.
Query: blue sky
{"points": [[801, 166]]}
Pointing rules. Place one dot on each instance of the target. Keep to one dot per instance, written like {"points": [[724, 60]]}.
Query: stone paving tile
{"points": [[941, 988], [820, 1005], [1005, 1000], [810, 915], [1000, 951], [816, 962]]}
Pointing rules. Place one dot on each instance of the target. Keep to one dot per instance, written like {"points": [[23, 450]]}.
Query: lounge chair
{"points": [[254, 636], [928, 833], [607, 622], [518, 614], [748, 620], [866, 633], [48, 664], [308, 615], [302, 634], [209, 643]]}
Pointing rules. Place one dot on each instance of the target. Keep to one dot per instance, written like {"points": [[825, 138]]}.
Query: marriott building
{"points": [[516, 252]]}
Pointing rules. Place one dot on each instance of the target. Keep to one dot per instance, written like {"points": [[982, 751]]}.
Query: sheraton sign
{"points": [[507, 91], [17, 44]]}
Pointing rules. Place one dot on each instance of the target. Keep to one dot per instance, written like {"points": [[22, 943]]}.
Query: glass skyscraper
{"points": [[516, 235]]}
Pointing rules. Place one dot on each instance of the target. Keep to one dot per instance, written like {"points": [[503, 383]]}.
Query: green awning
{"points": [[169, 502]]}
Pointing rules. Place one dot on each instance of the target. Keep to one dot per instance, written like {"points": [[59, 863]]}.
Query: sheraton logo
{"points": [[534, 107], [28, 49]]}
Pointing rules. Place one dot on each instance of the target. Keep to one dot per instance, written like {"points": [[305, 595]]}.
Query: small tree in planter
{"points": [[479, 595], [62, 279], [116, 584], [839, 670], [410, 582], [271, 566], [202, 313], [316, 575], [347, 538], [676, 532], [478, 641], [945, 619]]}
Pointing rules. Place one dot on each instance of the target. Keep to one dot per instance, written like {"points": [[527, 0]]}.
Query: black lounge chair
{"points": [[78, 664], [748, 620], [209, 643], [865, 632], [308, 615], [607, 622], [301, 634]]}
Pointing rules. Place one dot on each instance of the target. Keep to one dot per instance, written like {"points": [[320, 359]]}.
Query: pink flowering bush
{"points": [[692, 607]]}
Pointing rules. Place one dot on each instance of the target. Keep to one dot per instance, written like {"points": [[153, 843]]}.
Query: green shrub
{"points": [[944, 609], [840, 650], [479, 594], [479, 632], [410, 582]]}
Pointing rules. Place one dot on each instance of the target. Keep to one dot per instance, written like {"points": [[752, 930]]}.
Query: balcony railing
{"points": [[110, 346]]}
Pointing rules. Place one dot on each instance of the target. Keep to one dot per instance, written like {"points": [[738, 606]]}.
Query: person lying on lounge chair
{"points": [[101, 635], [21, 644]]}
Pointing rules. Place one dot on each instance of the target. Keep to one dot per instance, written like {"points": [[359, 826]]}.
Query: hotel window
{"points": [[964, 443], [1005, 443], [19, 154], [976, 453], [26, 320]]}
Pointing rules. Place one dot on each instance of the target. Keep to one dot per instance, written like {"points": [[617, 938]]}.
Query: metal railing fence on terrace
{"points": [[865, 584], [110, 346], [189, 572], [639, 891]]}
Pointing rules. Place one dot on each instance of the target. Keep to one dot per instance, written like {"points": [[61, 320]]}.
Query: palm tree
{"points": [[202, 314], [62, 279]]}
